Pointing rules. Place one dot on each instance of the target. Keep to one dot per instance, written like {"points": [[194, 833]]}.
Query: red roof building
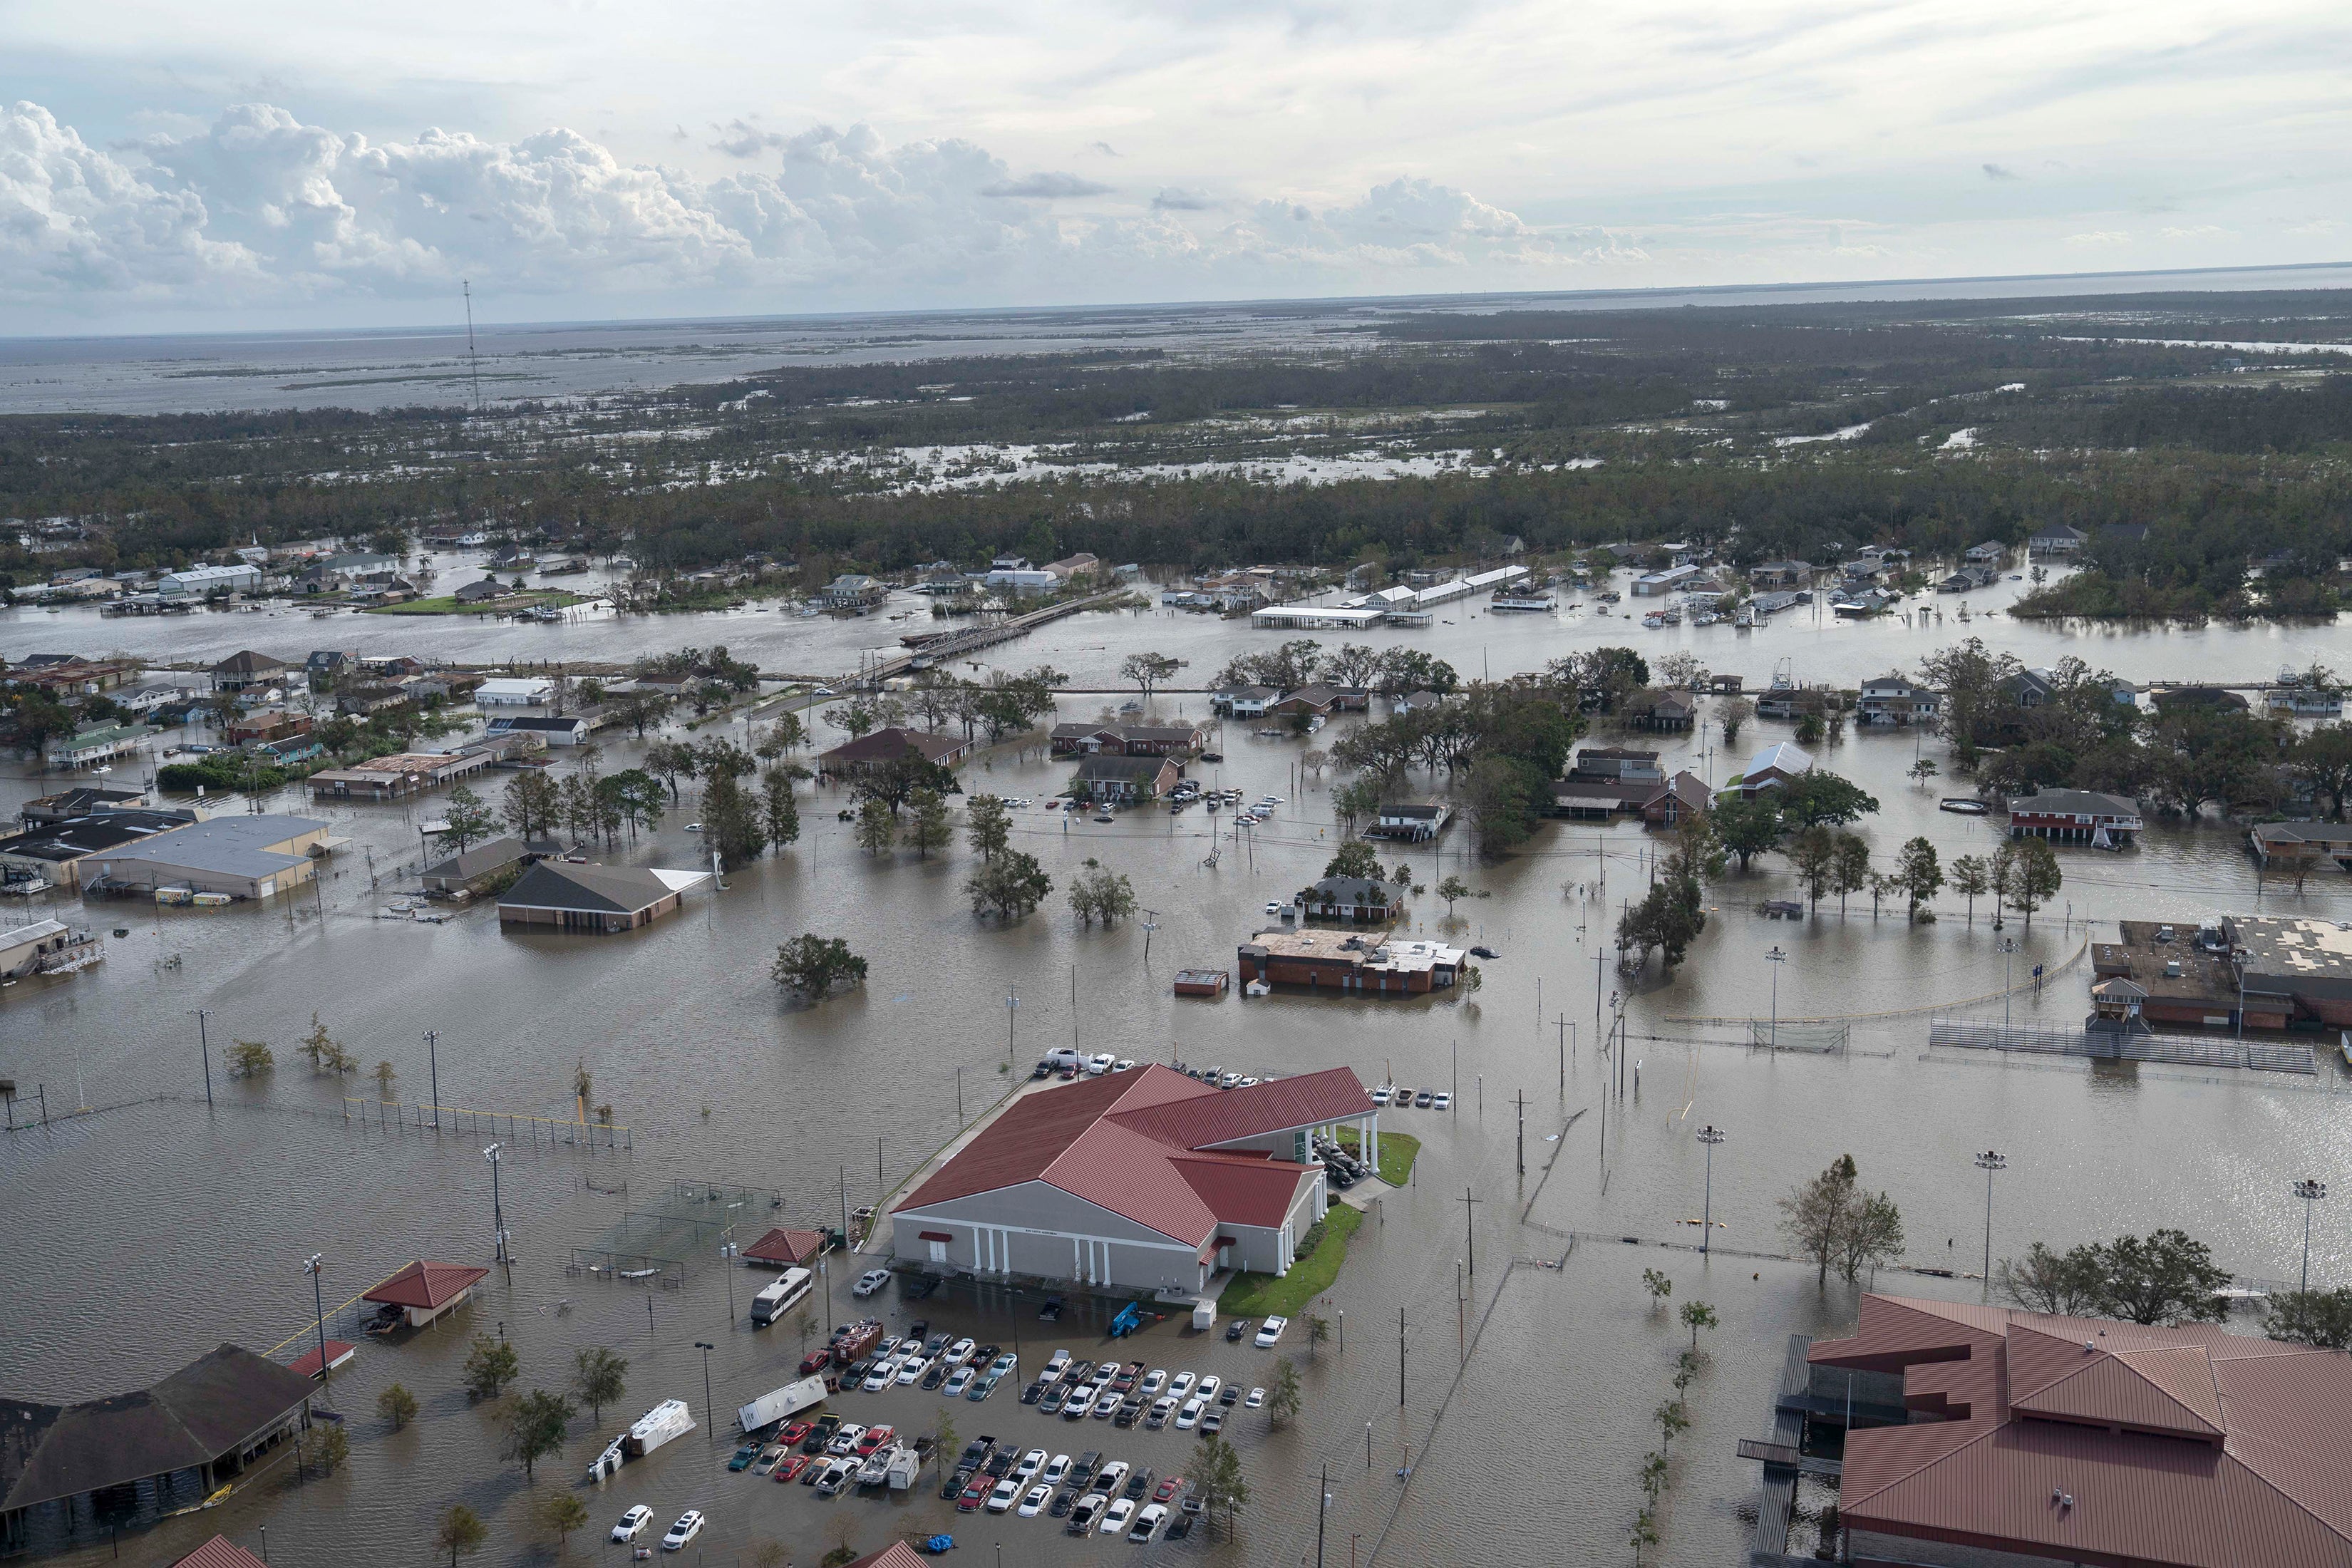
{"points": [[898, 1554], [426, 1289], [1137, 1181], [220, 1551], [785, 1248], [2095, 1442]]}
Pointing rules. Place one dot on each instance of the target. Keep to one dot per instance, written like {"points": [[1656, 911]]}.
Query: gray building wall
{"points": [[1038, 1229]]}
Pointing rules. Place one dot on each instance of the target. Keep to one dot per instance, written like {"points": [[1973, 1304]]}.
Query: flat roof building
{"points": [[561, 897], [243, 856], [1333, 961]]}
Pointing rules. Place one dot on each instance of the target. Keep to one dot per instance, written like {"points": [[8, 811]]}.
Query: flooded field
{"points": [[156, 1229]]}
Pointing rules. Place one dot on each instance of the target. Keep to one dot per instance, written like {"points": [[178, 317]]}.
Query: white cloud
{"points": [[2202, 231], [1050, 186], [2098, 238]]}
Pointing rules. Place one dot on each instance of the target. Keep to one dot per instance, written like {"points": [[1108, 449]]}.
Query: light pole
{"points": [[312, 1265], [2310, 1191], [2008, 950], [1778, 958], [1989, 1162], [1709, 1136], [205, 1045], [1011, 1006], [1322, 1507], [433, 1062], [709, 1416], [497, 1210]]}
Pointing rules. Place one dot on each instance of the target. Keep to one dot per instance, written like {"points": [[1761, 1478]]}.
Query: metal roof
{"points": [[2095, 1441], [427, 1285]]}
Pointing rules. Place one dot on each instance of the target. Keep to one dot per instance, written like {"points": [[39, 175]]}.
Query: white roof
{"points": [[1500, 574], [501, 686], [1781, 754], [678, 882]]}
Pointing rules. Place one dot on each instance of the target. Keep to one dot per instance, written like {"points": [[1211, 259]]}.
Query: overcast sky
{"points": [[278, 164]]}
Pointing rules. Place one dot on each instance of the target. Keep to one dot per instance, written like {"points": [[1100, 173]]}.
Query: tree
{"points": [[876, 830], [397, 1405], [559, 1512], [1658, 1285], [1672, 1416], [1096, 891], [1922, 769], [2163, 1277], [2026, 872], [534, 1427], [326, 1054], [1872, 1236], [466, 820], [1749, 826], [782, 811], [1918, 874], [1146, 670], [2321, 1318], [1501, 803], [2325, 757], [1012, 885], [1360, 797], [1681, 671], [491, 1365], [1813, 852], [1452, 889], [1354, 666], [1819, 799], [1355, 858], [1978, 697], [943, 1438], [1697, 1315], [812, 965], [461, 1534], [1318, 1330], [1733, 713], [929, 828], [1813, 1215], [2062, 1284], [1223, 1484], [250, 1058], [532, 803], [1282, 1402], [728, 819], [1972, 877], [326, 1445], [1849, 866], [988, 823], [598, 1378]]}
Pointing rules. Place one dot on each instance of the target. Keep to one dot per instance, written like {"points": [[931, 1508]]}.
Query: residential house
{"points": [[405, 774], [569, 731], [469, 869], [1245, 701], [851, 593], [1071, 568], [2075, 816], [1362, 964], [1862, 602], [240, 855], [488, 591], [1125, 739], [1894, 700], [1582, 802], [1774, 767], [1136, 1182], [85, 800], [249, 671], [1992, 552], [1677, 800], [1416, 821], [1651, 585], [1665, 710], [1418, 702], [1324, 699], [1791, 574], [511, 691], [325, 667], [887, 745], [265, 724], [1968, 579], [373, 696], [89, 748], [557, 895], [1101, 778], [1363, 900], [2059, 540]]}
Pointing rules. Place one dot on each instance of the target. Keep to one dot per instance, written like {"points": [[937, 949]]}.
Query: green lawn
{"points": [[1398, 1152], [1283, 1295]]}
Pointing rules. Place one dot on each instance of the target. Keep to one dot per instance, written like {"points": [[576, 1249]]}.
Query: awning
{"points": [[327, 846], [934, 1236]]}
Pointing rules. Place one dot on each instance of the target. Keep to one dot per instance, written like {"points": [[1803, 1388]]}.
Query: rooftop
{"points": [[427, 1285], [606, 890], [237, 845]]}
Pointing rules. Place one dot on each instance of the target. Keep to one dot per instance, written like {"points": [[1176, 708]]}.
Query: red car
{"points": [[814, 1361], [789, 1470], [874, 1438], [792, 1433], [1168, 1489], [971, 1497]]}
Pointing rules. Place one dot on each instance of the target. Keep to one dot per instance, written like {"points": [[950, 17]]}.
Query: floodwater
{"points": [[146, 1233]]}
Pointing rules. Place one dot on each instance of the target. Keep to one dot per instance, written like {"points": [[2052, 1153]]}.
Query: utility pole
{"points": [[1400, 1358], [433, 1061], [1322, 1507], [1470, 1233], [1989, 1162], [203, 1045], [1461, 1328], [1778, 958], [312, 1266], [1011, 1006], [1563, 1053], [2310, 1192], [1521, 1098], [709, 1416], [498, 1212], [1709, 1136]]}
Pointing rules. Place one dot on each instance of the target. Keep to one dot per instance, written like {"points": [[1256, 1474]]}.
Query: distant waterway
{"points": [[150, 1232]]}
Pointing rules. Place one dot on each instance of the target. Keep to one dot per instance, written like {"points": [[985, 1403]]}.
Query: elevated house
{"points": [[248, 670], [2076, 817], [1669, 711], [1245, 701], [1605, 781], [1414, 821], [489, 590], [1968, 579], [1791, 574], [2059, 540], [570, 729], [1125, 739], [1135, 1181], [99, 743], [1992, 552], [1322, 698], [1896, 700]]}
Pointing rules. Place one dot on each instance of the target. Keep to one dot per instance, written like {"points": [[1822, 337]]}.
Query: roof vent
{"points": [[2088, 1347]]}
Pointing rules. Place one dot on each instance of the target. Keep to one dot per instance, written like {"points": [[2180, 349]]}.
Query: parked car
{"points": [[1004, 1365], [1190, 1417], [960, 1351], [1161, 1409], [1087, 1510], [1213, 1420], [1441, 1100], [981, 1389], [870, 1282], [1146, 1523], [1034, 1502], [1269, 1332], [1180, 1386], [1234, 1331], [1057, 1470], [938, 1373], [789, 1470], [1256, 1399], [1007, 1493], [1154, 1384], [975, 1493], [1421, 1100], [957, 1384], [872, 1438], [845, 1438], [1079, 1405], [1111, 1476], [632, 1523], [689, 1526], [1206, 1389], [1115, 1517], [1056, 1397], [1030, 1463], [1230, 1396], [1128, 1409]]}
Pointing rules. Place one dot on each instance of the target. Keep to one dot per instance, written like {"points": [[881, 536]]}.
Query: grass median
{"points": [[1282, 1295], [1398, 1152]]}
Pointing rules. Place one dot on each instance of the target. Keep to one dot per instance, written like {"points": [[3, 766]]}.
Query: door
{"points": [[939, 1251]]}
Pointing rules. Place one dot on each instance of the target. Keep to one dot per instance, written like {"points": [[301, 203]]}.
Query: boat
{"points": [[1655, 620], [1963, 805]]}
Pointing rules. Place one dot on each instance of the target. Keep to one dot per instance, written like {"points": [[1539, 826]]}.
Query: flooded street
{"points": [[154, 1228]]}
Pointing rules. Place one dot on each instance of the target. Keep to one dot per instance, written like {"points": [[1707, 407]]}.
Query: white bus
{"points": [[791, 1288]]}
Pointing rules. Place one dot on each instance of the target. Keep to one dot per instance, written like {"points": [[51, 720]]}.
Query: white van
{"points": [[1064, 1059]]}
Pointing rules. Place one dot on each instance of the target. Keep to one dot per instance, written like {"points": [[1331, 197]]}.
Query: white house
{"points": [[514, 692]]}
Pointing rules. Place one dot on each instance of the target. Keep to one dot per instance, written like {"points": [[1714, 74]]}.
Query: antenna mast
{"points": [[473, 362]]}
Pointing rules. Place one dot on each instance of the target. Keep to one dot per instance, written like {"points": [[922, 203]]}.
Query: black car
{"points": [[1484, 953], [1082, 1471], [1139, 1484], [984, 1355], [1127, 1411], [921, 1289], [1032, 1394], [1051, 1312], [956, 1482], [1421, 1100], [937, 1375], [1042, 1069], [1234, 1331], [1229, 1396], [1063, 1500], [1178, 1528]]}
